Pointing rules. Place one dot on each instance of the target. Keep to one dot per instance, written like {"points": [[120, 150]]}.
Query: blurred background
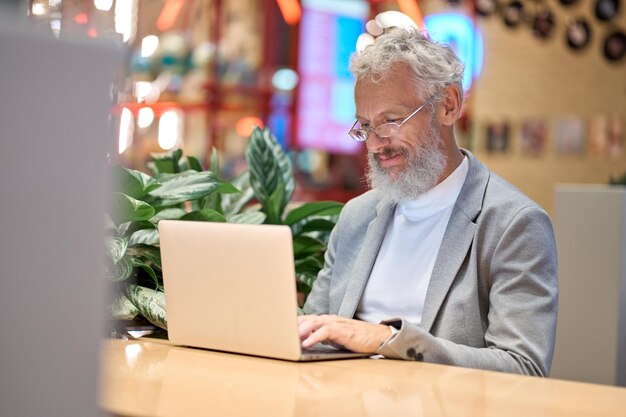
{"points": [[545, 82]]}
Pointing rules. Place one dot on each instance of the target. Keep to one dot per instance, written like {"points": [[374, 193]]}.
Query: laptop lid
{"points": [[230, 287]]}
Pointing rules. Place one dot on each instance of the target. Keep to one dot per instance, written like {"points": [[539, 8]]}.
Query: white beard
{"points": [[425, 164]]}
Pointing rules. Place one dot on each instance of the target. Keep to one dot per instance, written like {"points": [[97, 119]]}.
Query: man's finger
{"points": [[318, 336]]}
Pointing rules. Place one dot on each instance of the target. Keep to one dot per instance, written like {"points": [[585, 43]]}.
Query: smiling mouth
{"points": [[388, 158]]}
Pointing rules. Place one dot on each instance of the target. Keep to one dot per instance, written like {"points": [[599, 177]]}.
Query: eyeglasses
{"points": [[386, 130]]}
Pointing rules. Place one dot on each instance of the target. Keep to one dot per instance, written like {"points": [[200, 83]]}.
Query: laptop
{"points": [[232, 287]]}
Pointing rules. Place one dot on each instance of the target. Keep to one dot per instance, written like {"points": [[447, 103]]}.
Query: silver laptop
{"points": [[232, 287]]}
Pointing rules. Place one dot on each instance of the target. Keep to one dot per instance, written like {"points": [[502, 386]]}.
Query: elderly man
{"points": [[442, 261]]}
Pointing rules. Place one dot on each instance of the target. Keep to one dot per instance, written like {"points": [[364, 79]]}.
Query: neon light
{"points": [[170, 129], [245, 125], [127, 127], [169, 14], [291, 11], [411, 8], [81, 19], [459, 32], [104, 5]]}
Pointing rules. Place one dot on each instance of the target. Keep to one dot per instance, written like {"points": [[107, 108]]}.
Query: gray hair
{"points": [[434, 65]]}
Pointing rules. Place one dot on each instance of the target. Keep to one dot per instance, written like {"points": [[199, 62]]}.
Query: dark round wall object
{"points": [[578, 34], [607, 9], [615, 46], [485, 7], [513, 13], [543, 24]]}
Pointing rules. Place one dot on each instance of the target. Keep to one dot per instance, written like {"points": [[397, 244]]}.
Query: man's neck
{"points": [[454, 157]]}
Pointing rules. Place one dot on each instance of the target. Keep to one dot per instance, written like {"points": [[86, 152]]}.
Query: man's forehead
{"points": [[373, 99]]}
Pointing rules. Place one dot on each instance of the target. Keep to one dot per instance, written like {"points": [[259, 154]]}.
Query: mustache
{"points": [[390, 151]]}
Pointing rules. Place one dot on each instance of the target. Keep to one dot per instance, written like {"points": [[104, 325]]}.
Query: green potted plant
{"points": [[180, 189]]}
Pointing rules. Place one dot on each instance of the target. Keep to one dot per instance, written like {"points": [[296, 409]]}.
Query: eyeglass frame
{"points": [[397, 129]]}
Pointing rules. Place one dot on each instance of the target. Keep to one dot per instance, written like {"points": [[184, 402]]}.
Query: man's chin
{"points": [[393, 173]]}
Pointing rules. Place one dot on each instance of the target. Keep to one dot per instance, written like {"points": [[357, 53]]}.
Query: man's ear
{"points": [[451, 105]]}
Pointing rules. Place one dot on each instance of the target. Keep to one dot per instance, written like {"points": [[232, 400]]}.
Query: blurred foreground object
{"points": [[53, 149]]}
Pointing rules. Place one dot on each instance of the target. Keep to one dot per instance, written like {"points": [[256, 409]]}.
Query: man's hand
{"points": [[355, 335]]}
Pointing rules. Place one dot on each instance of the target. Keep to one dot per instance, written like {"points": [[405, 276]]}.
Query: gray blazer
{"points": [[492, 298]]}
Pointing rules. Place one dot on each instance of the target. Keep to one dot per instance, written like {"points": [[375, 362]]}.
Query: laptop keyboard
{"points": [[323, 349]]}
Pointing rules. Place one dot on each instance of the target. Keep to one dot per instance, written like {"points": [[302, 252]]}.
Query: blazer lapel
{"points": [[365, 259], [457, 239]]}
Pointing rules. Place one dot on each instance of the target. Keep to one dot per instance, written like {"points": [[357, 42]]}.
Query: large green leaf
{"points": [[194, 164], [168, 214], [313, 225], [273, 206], [317, 208], [151, 304], [304, 283], [151, 255], [310, 264], [305, 245], [204, 215], [189, 163], [121, 270], [234, 203], [123, 309], [250, 217], [214, 162], [213, 201], [128, 228], [144, 237], [117, 248], [188, 185], [269, 166], [127, 209], [133, 183], [137, 263], [165, 163]]}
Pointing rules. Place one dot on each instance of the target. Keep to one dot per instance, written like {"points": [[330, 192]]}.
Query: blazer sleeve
{"points": [[521, 323]]}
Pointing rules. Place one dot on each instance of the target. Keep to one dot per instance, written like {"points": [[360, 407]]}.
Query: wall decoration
{"points": [[606, 10], [513, 13], [615, 137], [542, 18], [485, 7], [598, 136], [606, 136], [578, 34], [569, 136], [543, 22], [533, 137], [497, 137], [615, 46]]}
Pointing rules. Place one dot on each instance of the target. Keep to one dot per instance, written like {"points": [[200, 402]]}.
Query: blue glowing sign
{"points": [[459, 32]]}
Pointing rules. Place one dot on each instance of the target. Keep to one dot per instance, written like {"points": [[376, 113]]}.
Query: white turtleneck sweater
{"points": [[402, 270]]}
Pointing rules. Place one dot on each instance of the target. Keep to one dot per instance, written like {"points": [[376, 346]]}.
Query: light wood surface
{"points": [[140, 378]]}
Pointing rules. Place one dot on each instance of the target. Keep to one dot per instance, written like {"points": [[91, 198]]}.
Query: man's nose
{"points": [[375, 142]]}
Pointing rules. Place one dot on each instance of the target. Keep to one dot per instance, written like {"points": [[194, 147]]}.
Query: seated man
{"points": [[442, 261]]}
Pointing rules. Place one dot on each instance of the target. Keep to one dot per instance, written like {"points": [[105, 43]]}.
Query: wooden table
{"points": [[140, 378]]}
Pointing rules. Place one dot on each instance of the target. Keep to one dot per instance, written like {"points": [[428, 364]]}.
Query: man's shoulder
{"points": [[361, 209], [501, 193], [503, 203], [368, 201], [485, 193]]}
